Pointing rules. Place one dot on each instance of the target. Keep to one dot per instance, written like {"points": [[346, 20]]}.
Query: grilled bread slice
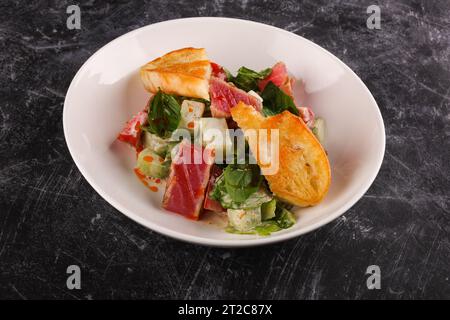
{"points": [[184, 72], [304, 174]]}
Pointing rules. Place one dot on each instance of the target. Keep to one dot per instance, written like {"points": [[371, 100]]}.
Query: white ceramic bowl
{"points": [[107, 91]]}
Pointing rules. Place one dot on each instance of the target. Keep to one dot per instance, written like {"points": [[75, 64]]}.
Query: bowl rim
{"points": [[224, 243]]}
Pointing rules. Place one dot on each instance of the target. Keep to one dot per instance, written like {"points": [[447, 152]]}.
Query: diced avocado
{"points": [[319, 129], [158, 145], [244, 220], [285, 218], [151, 164], [191, 111], [268, 209]]}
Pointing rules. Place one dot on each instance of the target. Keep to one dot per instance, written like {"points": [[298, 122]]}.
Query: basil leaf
{"points": [[163, 115], [239, 177], [276, 101], [239, 195], [238, 187], [241, 181], [247, 79]]}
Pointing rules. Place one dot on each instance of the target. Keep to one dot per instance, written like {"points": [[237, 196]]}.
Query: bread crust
{"points": [[184, 55], [304, 173]]}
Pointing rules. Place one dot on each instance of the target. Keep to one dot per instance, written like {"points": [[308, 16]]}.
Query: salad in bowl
{"points": [[238, 146]]}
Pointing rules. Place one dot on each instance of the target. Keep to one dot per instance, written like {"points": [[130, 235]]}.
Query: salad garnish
{"points": [[163, 115], [276, 101], [185, 127]]}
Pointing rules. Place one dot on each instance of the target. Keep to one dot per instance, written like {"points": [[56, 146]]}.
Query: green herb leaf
{"points": [[239, 177], [241, 181], [276, 101], [247, 79], [238, 187], [163, 115]]}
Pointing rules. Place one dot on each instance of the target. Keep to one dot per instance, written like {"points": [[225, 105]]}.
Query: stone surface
{"points": [[50, 217]]}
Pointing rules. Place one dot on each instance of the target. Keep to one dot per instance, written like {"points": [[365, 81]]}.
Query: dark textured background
{"points": [[50, 217]]}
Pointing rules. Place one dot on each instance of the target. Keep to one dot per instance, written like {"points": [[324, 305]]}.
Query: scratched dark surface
{"points": [[50, 217]]}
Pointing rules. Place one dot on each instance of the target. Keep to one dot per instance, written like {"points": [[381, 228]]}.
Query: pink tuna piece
{"points": [[218, 71], [188, 180], [279, 76], [225, 96]]}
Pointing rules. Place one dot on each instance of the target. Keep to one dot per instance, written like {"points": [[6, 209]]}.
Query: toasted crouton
{"points": [[184, 72], [304, 174]]}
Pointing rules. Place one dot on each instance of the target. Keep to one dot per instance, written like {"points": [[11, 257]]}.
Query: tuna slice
{"points": [[218, 71], [279, 76], [131, 133], [209, 203], [225, 96], [189, 176]]}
